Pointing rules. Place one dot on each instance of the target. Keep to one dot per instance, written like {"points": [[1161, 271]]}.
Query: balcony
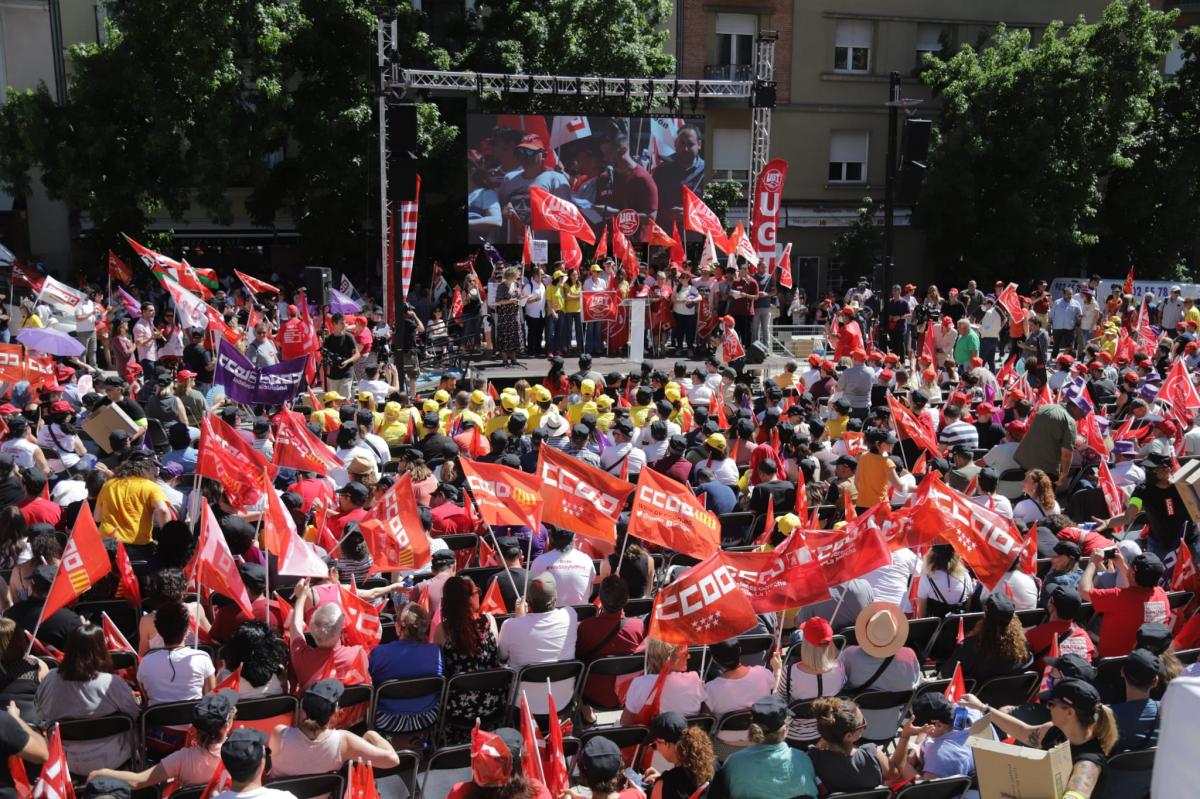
{"points": [[729, 72]]}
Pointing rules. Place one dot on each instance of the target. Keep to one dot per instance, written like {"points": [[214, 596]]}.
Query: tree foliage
{"points": [[1030, 135], [721, 195], [859, 245]]}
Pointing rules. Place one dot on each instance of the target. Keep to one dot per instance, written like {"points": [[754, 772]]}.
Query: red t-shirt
{"points": [[231, 616], [1077, 643], [469, 790], [1189, 636], [1088, 541], [449, 518], [1126, 609], [38, 510], [292, 339], [309, 663], [310, 490]]}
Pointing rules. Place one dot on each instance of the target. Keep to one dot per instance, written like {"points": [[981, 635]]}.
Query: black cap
{"points": [[321, 698], [1157, 460], [999, 610], [442, 558], [212, 711], [1080, 695], [243, 751], [668, 727], [726, 654], [624, 425], [962, 449], [601, 759], [919, 397], [841, 405], [106, 787], [1066, 601], [413, 454], [770, 712], [253, 574], [580, 431], [510, 547], [431, 420], [1068, 548], [1155, 637], [932, 706], [677, 443], [1072, 666], [355, 490], [43, 575], [112, 381], [1142, 666], [1147, 569], [846, 460]]}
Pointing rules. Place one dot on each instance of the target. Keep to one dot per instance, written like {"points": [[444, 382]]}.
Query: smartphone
{"points": [[634, 778], [1110, 553]]}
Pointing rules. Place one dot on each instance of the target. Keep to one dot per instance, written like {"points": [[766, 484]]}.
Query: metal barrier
{"points": [[797, 342]]}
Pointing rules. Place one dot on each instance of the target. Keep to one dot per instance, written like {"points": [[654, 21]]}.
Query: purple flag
{"points": [[246, 383], [131, 305]]}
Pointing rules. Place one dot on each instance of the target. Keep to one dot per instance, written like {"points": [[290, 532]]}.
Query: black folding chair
{"points": [[413, 688], [445, 768], [168, 714], [492, 681], [1013, 689], [311, 786], [532, 681], [94, 729], [730, 734], [622, 668], [629, 739], [947, 788], [407, 770], [942, 643], [124, 615], [1128, 775], [481, 575], [639, 606], [265, 712], [879, 793], [756, 649], [882, 711]]}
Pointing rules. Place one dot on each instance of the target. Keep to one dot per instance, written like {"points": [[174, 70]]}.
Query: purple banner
{"points": [[245, 383]]}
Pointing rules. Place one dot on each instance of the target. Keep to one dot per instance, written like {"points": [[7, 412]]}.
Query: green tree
{"points": [[1029, 135], [858, 247], [721, 195]]}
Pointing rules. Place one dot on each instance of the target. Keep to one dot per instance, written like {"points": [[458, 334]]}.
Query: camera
{"points": [[1110, 553]]}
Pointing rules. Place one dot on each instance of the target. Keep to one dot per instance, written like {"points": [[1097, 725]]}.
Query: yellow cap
{"points": [[441, 396], [596, 268], [787, 522], [717, 442], [558, 273], [331, 396], [365, 396], [429, 406], [508, 401], [587, 388], [477, 397], [542, 394], [589, 407], [604, 401], [671, 392]]}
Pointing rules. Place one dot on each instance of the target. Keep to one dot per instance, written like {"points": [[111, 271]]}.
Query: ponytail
{"points": [[1105, 729]]}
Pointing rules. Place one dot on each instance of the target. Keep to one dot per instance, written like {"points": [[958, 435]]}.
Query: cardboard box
{"points": [[101, 424], [1018, 771], [1187, 481]]}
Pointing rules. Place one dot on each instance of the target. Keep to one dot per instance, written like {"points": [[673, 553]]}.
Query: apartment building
{"points": [[833, 61]]}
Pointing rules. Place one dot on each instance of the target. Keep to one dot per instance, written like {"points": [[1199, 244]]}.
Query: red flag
{"points": [[699, 217], [20, 778], [849, 552], [297, 448], [854, 443], [129, 588], [848, 510], [1127, 288], [55, 780], [1009, 300], [456, 304], [114, 639], [118, 270], [363, 627], [623, 252], [929, 344], [572, 256], [487, 555], [920, 466], [731, 343], [506, 496], [393, 531], [84, 562], [580, 497], [908, 426], [531, 754], [957, 686], [217, 783], [657, 237], [705, 606], [602, 247], [1007, 372], [43, 650], [1114, 497], [985, 540], [1029, 552], [555, 769], [768, 522], [527, 249], [666, 513], [801, 506], [213, 565], [1179, 390], [231, 682], [788, 577], [960, 636], [785, 267], [1183, 578], [1089, 428], [678, 254], [256, 286], [549, 212], [653, 705], [493, 600], [491, 762], [226, 457]]}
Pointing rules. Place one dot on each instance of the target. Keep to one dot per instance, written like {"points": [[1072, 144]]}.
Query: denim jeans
{"points": [[987, 351]]}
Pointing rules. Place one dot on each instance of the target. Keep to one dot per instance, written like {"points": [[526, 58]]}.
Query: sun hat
{"points": [[881, 629]]}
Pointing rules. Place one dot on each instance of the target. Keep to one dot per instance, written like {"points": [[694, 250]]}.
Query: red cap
{"points": [[985, 407], [292, 310], [976, 362], [886, 375], [859, 354], [817, 631], [1104, 356], [184, 374], [63, 372], [1131, 378], [891, 357], [814, 359], [929, 375], [61, 406], [1065, 358], [959, 398], [52, 385], [876, 355], [828, 366], [1016, 430], [532, 141]]}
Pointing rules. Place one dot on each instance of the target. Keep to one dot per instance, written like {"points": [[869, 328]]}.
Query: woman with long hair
{"points": [[84, 687], [15, 557], [120, 346], [261, 656], [682, 692], [689, 751], [995, 648], [840, 761], [472, 312], [20, 674], [468, 638], [946, 586], [636, 567], [556, 380], [410, 655], [313, 747], [1040, 501], [819, 672], [1078, 717], [508, 318], [571, 318]]}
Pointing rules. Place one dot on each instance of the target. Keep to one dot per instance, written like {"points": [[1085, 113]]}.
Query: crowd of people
{"points": [[1067, 425]]}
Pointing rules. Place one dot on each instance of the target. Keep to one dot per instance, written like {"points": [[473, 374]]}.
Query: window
{"points": [[930, 39], [1175, 59], [848, 156], [731, 154], [735, 38], [852, 47]]}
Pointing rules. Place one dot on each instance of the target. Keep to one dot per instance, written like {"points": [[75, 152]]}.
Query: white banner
{"points": [[541, 251], [60, 295]]}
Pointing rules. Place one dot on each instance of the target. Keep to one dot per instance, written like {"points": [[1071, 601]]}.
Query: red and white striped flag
{"points": [[408, 242]]}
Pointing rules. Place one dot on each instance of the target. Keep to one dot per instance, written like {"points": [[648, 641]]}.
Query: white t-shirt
{"points": [[806, 686], [85, 317], [174, 675], [995, 502], [258, 793], [683, 693], [890, 583], [1024, 590], [953, 590], [21, 450], [572, 571], [539, 638], [378, 388], [726, 696], [1027, 511]]}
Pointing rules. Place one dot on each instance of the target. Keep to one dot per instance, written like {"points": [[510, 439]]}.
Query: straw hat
{"points": [[364, 467], [881, 629]]}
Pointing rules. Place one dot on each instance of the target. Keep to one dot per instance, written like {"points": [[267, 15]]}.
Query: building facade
{"points": [[833, 62]]}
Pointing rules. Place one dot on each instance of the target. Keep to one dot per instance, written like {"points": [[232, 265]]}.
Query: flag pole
{"points": [[503, 562], [33, 637], [266, 571], [533, 731], [838, 606]]}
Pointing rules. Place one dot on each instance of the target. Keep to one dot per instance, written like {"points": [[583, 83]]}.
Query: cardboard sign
{"points": [[1021, 772], [541, 251], [103, 422]]}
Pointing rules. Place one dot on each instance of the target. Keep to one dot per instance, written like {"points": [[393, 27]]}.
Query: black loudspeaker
{"points": [[402, 152], [914, 155], [318, 283], [756, 352]]}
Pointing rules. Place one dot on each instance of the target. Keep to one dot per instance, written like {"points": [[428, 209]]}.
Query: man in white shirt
{"points": [[244, 754], [593, 334], [145, 338], [1126, 472], [1172, 309], [987, 497], [1091, 317], [85, 327], [890, 583], [990, 326], [571, 570], [542, 634], [613, 459]]}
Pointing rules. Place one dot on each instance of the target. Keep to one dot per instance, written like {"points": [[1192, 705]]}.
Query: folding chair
{"points": [[464, 546], [1031, 617], [948, 788], [352, 709], [124, 615], [94, 729], [882, 711], [736, 527], [193, 792], [1188, 656], [492, 681], [1014, 689], [481, 575], [731, 733], [1179, 599], [266, 712], [1128, 775], [942, 643], [564, 682], [640, 606], [311, 786], [413, 688], [623, 669], [168, 714], [446, 768], [1109, 681], [629, 739], [406, 771], [756, 649], [585, 611]]}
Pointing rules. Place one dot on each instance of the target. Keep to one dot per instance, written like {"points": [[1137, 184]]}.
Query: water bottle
{"points": [[962, 719]]}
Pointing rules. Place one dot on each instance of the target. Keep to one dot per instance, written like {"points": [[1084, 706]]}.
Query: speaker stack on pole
{"points": [[318, 283]]}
